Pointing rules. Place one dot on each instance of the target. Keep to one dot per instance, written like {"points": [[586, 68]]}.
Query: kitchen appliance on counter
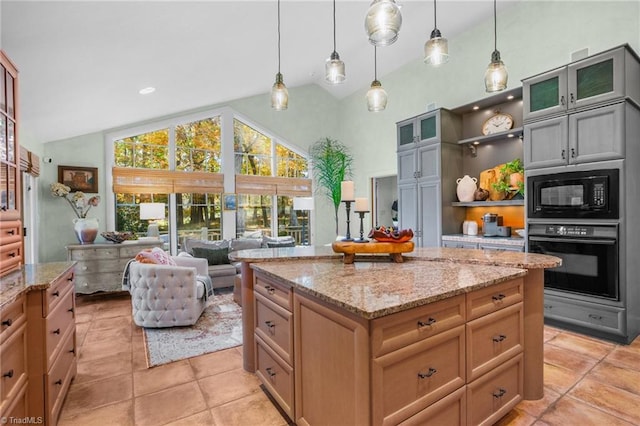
{"points": [[490, 224]]}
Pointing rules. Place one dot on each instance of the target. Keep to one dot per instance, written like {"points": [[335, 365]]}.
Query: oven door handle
{"points": [[572, 240]]}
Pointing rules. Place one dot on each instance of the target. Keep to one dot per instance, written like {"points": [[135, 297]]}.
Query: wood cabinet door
{"points": [[546, 143], [597, 134]]}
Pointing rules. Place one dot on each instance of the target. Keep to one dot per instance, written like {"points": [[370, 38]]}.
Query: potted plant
{"points": [[331, 161], [511, 179]]}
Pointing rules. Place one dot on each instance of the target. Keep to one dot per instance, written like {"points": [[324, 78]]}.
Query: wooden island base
{"points": [[351, 248]]}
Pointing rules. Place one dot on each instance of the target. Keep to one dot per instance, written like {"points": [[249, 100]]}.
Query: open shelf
{"points": [[519, 202], [516, 133]]}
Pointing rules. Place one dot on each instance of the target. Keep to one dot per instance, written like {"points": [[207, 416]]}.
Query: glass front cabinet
{"points": [[599, 78], [419, 130]]}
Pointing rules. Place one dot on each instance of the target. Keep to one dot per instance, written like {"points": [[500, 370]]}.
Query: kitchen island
{"points": [[371, 294]]}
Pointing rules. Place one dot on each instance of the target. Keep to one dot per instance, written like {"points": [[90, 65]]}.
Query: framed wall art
{"points": [[229, 201], [83, 179]]}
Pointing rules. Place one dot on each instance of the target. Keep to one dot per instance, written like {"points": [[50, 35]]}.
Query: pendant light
{"points": [[436, 49], [495, 78], [383, 22], [376, 96], [334, 67], [279, 92]]}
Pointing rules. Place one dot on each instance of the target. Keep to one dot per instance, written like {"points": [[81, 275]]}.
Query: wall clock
{"points": [[500, 122]]}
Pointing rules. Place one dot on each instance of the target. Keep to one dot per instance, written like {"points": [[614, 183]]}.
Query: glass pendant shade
{"points": [[495, 78], [383, 22], [334, 69], [279, 94], [436, 49], [376, 97]]}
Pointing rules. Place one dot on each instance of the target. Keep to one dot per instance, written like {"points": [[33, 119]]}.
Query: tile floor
{"points": [[587, 381]]}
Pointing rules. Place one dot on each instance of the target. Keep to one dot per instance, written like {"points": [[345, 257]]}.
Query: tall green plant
{"points": [[331, 161]]}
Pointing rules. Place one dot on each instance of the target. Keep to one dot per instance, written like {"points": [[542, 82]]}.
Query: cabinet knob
{"points": [[499, 393], [7, 322], [499, 338], [428, 374], [8, 374], [56, 331], [426, 323]]}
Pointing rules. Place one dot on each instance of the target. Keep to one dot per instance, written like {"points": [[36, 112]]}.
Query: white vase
{"points": [[466, 188], [86, 229]]}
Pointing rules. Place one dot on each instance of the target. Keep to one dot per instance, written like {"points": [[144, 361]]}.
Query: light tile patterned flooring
{"points": [[587, 381]]}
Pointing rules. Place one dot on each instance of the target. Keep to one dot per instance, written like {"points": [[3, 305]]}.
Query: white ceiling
{"points": [[82, 63]]}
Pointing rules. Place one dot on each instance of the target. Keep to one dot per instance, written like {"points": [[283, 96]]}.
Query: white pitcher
{"points": [[466, 188]]}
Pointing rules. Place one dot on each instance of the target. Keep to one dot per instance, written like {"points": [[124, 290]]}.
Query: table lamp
{"points": [[152, 212], [304, 204]]}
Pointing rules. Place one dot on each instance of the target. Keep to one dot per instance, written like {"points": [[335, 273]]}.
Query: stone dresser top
{"points": [[456, 255], [30, 277], [376, 289]]}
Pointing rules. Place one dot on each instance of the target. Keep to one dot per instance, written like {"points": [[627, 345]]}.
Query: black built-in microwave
{"points": [[592, 194]]}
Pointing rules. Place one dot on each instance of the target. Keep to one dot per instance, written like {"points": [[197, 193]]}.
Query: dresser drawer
{"points": [[18, 406], [58, 380], [58, 325], [98, 266], [275, 292], [276, 375], [57, 291], [10, 256], [404, 328], [95, 253], [274, 325], [129, 251], [449, 411], [484, 301], [493, 339], [11, 316], [10, 231], [408, 380], [13, 363], [495, 394], [91, 283]]}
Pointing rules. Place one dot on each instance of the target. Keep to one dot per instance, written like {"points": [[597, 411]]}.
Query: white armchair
{"points": [[167, 295]]}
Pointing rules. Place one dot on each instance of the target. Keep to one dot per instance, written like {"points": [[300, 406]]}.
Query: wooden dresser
{"points": [[99, 267], [13, 359]]}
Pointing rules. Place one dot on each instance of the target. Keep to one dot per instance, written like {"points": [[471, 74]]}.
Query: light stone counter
{"points": [[376, 289], [30, 277], [514, 241]]}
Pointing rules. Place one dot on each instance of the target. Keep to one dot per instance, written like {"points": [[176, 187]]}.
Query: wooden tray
{"points": [[351, 248]]}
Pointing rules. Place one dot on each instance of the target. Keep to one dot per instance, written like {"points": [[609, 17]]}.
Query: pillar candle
{"points": [[347, 190], [362, 205]]}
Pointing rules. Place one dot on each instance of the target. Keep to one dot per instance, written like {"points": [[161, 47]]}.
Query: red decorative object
{"points": [[391, 235]]}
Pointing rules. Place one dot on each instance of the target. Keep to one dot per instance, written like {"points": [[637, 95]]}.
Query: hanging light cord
{"points": [[495, 27], [278, 36], [334, 25], [375, 62], [435, 21]]}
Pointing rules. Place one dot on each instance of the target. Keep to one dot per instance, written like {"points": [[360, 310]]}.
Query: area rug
{"points": [[219, 327]]}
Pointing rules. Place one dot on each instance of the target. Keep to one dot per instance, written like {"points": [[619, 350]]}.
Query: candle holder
{"points": [[361, 239], [348, 205]]}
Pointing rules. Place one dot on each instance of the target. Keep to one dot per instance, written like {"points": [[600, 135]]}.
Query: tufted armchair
{"points": [[168, 295]]}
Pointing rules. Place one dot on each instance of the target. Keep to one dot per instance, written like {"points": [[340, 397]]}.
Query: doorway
{"points": [[385, 201]]}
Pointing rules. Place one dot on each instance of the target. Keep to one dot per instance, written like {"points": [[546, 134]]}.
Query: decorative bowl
{"points": [[390, 235], [116, 237]]}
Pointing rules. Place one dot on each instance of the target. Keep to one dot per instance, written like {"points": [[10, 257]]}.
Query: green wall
{"points": [[533, 36]]}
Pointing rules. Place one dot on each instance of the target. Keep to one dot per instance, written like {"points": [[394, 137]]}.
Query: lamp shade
{"points": [[151, 211], [436, 49], [376, 97], [303, 203], [495, 78], [383, 22]]}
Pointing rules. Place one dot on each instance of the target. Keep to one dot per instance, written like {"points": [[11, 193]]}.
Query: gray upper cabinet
{"points": [[598, 79], [423, 129]]}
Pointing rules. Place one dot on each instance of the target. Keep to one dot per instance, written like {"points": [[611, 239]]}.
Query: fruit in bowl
{"points": [[390, 235]]}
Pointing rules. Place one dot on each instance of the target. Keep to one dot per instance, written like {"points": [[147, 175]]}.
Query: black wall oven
{"points": [[592, 194], [589, 256]]}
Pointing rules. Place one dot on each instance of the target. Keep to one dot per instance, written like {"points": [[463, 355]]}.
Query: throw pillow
{"points": [[281, 244], [214, 256], [245, 244], [155, 255]]}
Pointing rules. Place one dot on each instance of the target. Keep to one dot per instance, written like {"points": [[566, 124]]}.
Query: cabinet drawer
{"points": [[10, 231], [274, 325], [129, 251], [58, 325], [95, 253], [57, 291], [404, 328], [449, 411], [484, 301], [10, 256], [495, 394], [493, 339], [58, 380], [408, 380], [609, 319], [91, 283], [11, 316], [275, 292], [13, 363], [98, 266], [276, 375], [18, 406]]}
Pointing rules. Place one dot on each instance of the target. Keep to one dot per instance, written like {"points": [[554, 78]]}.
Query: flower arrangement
{"points": [[77, 200]]}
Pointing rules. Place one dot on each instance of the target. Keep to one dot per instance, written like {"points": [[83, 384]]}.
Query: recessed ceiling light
{"points": [[510, 97], [147, 90], [476, 107], [476, 143]]}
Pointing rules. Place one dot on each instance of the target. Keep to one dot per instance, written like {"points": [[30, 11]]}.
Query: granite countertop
{"points": [[507, 241], [376, 289], [37, 276], [455, 255]]}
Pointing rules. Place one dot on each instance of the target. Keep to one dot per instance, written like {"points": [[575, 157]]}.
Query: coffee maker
{"points": [[490, 224]]}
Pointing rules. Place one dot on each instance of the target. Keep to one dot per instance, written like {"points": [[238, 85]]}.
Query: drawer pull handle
{"points": [[58, 382], [269, 289], [56, 293], [270, 372], [7, 322], [11, 232], [56, 331], [72, 351], [428, 374], [499, 338], [70, 278], [562, 101], [70, 310], [12, 254], [548, 306], [499, 297], [572, 99], [271, 326], [563, 155], [8, 374], [500, 393], [595, 317], [429, 322]]}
